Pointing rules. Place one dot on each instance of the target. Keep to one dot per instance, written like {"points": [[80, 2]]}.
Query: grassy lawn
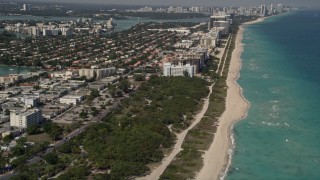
{"points": [[184, 166], [39, 138]]}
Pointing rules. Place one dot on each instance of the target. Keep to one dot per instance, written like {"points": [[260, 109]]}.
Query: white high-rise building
{"points": [[279, 8], [26, 7], [31, 101], [211, 39], [46, 32], [105, 72], [263, 10], [29, 30], [271, 9], [220, 21], [26, 118], [66, 32], [194, 9], [88, 73], [179, 9], [97, 73], [35, 31], [110, 23], [172, 70], [171, 9]]}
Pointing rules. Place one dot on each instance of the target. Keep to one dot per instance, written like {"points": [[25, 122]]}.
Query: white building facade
{"points": [[25, 119], [31, 101], [75, 100], [97, 73], [222, 22], [263, 10], [172, 70]]}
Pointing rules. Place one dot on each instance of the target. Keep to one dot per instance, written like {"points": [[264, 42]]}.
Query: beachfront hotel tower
{"points": [[26, 7], [222, 22], [263, 10]]}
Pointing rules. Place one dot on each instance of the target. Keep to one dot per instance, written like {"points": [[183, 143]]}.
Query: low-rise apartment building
{"points": [[25, 118]]}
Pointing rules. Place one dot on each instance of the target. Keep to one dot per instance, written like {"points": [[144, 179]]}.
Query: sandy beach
{"points": [[261, 19], [218, 158]]}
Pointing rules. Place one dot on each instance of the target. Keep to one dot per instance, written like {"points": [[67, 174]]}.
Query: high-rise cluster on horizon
{"points": [[173, 9], [218, 26], [272, 9], [26, 7], [264, 10]]}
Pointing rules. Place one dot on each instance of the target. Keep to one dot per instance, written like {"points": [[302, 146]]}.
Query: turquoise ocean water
{"points": [[280, 76]]}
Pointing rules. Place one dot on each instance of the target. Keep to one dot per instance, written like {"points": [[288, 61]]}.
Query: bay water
{"points": [[6, 70]]}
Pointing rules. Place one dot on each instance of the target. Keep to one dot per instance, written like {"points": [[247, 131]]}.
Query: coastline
{"points": [[217, 159]]}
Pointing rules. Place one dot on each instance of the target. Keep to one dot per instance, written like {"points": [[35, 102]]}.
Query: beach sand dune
{"points": [[157, 172]]}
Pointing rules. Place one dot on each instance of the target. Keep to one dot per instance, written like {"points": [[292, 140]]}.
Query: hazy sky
{"points": [[309, 3]]}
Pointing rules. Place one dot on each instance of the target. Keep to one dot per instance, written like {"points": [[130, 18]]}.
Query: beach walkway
{"points": [[158, 171]]}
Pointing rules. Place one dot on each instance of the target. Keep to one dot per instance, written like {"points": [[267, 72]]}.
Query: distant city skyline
{"points": [[304, 3]]}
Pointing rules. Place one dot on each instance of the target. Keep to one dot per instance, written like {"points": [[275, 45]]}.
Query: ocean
{"points": [[280, 77]]}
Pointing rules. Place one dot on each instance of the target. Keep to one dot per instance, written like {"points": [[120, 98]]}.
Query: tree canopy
{"points": [[135, 133]]}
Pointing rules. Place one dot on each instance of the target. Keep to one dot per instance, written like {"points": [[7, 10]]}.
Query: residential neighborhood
{"points": [[88, 84]]}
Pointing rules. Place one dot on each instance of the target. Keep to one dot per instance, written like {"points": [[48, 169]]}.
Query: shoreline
{"points": [[217, 159], [231, 141]]}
